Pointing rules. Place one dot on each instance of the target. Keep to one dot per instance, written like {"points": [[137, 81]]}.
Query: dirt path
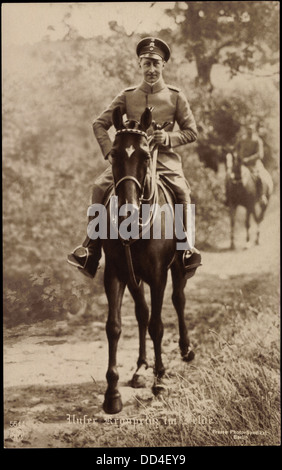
{"points": [[54, 372]]}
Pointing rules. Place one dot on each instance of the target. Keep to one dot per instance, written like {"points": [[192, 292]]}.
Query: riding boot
{"points": [[259, 186], [191, 257], [86, 257], [261, 196]]}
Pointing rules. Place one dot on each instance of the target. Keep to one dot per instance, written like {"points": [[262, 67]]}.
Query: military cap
{"points": [[153, 48]]}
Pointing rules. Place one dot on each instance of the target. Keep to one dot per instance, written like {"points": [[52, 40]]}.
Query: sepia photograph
{"points": [[141, 227]]}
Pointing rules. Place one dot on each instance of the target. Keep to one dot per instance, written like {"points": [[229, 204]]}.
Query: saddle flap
{"points": [[167, 190]]}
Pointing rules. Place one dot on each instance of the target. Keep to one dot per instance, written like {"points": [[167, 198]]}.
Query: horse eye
{"points": [[146, 155]]}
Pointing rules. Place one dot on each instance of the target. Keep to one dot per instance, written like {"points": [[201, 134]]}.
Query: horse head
{"points": [[130, 157]]}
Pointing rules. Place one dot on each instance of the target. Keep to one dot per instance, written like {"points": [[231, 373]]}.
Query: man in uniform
{"points": [[250, 151], [169, 105]]}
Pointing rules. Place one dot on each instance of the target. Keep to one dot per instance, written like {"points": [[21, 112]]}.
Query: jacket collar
{"points": [[155, 88]]}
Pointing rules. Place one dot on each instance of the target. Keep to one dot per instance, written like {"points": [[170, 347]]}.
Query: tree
{"points": [[242, 35]]}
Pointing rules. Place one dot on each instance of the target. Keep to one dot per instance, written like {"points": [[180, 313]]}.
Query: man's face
{"points": [[152, 69]]}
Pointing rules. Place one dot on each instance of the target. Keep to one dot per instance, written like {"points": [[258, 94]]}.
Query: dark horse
{"points": [[241, 190], [130, 262]]}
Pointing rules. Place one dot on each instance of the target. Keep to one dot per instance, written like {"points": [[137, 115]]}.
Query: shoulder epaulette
{"points": [[174, 88], [131, 88]]}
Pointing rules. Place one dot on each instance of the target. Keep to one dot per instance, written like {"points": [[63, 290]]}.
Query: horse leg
{"points": [[258, 216], [178, 300], [258, 221], [232, 225], [156, 325], [247, 225], [114, 289], [258, 234], [142, 315]]}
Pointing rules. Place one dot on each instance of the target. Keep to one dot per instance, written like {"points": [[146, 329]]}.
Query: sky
{"points": [[28, 23]]}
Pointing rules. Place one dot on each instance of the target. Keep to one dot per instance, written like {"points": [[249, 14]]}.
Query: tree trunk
{"points": [[204, 68]]}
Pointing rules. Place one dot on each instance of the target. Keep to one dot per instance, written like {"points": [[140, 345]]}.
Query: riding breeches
{"points": [[175, 180]]}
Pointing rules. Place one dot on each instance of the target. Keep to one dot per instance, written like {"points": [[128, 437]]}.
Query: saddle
{"points": [[160, 184]]}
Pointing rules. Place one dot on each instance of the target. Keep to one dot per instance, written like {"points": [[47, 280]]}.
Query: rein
{"points": [[130, 178], [153, 173]]}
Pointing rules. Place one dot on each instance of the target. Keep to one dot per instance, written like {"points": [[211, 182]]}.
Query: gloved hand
{"points": [[161, 137]]}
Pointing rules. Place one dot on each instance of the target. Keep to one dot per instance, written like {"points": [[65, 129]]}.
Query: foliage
{"points": [[208, 195], [51, 93], [45, 294], [223, 121], [241, 35], [221, 115]]}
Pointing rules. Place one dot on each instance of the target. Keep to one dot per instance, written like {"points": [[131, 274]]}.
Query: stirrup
{"points": [[72, 258], [195, 264]]}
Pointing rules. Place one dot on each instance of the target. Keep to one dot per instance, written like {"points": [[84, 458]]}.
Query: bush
{"points": [[222, 115]]}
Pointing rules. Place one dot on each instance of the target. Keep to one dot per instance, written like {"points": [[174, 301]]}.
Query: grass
{"points": [[228, 397]]}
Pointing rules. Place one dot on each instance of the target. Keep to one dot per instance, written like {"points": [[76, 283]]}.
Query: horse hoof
{"points": [[247, 245], [138, 381], [159, 385], [112, 403], [141, 377], [158, 388], [189, 356]]}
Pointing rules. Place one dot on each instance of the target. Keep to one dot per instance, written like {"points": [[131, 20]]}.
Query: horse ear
{"points": [[146, 119], [117, 118]]}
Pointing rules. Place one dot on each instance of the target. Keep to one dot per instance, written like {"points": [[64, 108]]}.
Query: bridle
{"points": [[140, 186], [128, 178]]}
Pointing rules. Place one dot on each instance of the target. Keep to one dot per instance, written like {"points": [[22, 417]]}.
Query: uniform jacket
{"points": [[170, 104], [249, 147]]}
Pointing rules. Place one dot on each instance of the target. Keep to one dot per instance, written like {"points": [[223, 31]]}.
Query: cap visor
{"points": [[149, 55]]}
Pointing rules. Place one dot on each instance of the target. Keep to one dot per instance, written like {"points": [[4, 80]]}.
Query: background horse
{"points": [[148, 259], [241, 190]]}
